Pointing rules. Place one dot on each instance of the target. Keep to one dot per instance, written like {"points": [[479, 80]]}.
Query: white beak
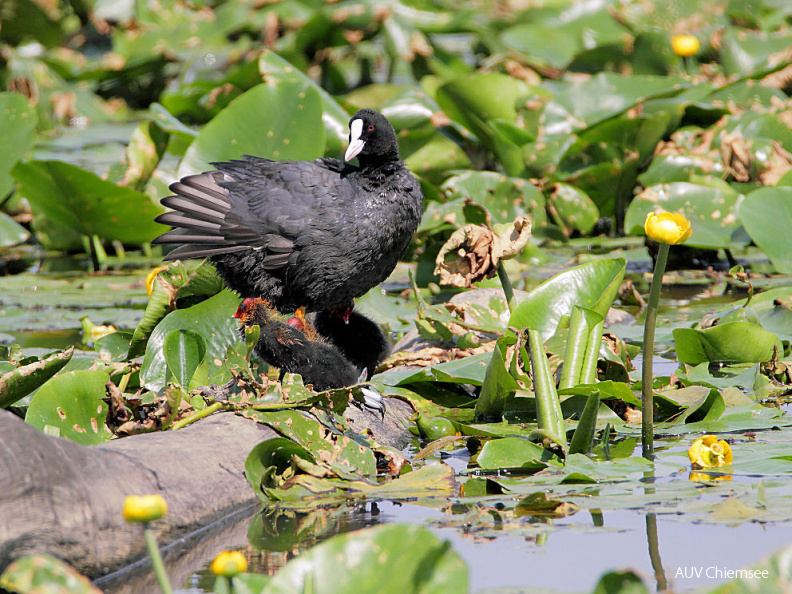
{"points": [[355, 143]]}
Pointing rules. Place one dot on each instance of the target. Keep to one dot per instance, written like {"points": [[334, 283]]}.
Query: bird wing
{"points": [[252, 203]]}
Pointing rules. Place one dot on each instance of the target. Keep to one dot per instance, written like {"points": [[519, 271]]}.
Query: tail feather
{"points": [[185, 236], [207, 184], [177, 219], [185, 252], [193, 208]]}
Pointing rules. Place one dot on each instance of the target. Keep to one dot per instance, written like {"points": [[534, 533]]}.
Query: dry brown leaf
{"points": [[472, 252]]}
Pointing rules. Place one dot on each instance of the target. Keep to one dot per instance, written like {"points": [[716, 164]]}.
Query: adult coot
{"points": [[313, 234]]}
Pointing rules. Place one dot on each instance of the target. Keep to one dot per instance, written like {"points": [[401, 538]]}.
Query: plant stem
{"points": [[156, 560], [506, 284], [647, 395], [198, 415]]}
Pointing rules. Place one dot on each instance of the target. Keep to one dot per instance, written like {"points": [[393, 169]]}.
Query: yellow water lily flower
{"points": [[708, 452], [667, 227], [151, 276], [685, 45], [229, 564], [144, 508]]}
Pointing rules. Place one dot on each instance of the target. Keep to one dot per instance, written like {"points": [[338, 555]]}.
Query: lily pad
{"points": [[70, 405], [86, 203], [42, 573], [18, 123], [593, 286], [732, 342], [213, 320], [357, 562], [711, 210], [20, 381], [279, 120], [766, 215]]}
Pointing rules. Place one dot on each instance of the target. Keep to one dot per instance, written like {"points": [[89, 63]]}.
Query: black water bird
{"points": [[295, 346], [314, 234]]}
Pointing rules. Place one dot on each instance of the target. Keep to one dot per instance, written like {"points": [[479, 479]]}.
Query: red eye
{"points": [[371, 128]]}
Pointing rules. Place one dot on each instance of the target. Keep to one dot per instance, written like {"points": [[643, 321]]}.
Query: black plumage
{"points": [[313, 234], [359, 339], [292, 350], [327, 356]]}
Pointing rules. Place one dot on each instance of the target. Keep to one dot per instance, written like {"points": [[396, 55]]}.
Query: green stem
{"points": [[198, 415], [506, 284], [647, 377], [156, 560], [222, 585]]}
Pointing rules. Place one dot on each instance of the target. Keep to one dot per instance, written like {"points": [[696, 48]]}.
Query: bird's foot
{"points": [[372, 399]]}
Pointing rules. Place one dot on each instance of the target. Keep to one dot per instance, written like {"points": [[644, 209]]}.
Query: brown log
{"points": [[65, 500]]}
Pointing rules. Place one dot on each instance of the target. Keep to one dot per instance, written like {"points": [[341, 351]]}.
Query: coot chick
{"points": [[359, 339], [293, 346], [313, 234], [293, 350]]}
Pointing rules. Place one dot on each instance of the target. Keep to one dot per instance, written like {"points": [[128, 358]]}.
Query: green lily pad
{"points": [[505, 198], [335, 119], [11, 232], [357, 562], [184, 351], [732, 342], [279, 120], [711, 210], [86, 203], [18, 382], [71, 406], [766, 215], [514, 452], [591, 285], [18, 123], [42, 573], [213, 320]]}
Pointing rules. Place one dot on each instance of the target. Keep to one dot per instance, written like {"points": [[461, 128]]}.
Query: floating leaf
{"points": [[289, 127], [514, 452], [86, 203], [42, 573], [213, 320], [71, 406], [732, 342], [184, 351], [18, 123], [766, 215], [357, 562], [711, 210], [334, 118]]}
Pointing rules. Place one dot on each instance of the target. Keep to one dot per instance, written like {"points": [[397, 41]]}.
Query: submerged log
{"points": [[65, 500]]}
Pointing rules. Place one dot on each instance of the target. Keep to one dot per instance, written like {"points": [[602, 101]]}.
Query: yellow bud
{"points": [[151, 276], [708, 452], [667, 227], [144, 508], [685, 45], [229, 563], [96, 332]]}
